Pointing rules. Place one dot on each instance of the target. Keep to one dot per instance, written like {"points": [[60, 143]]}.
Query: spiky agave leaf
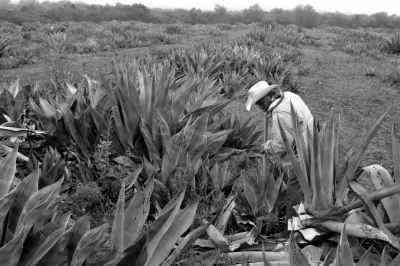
{"points": [[180, 224], [319, 206], [354, 161], [297, 169], [328, 162], [136, 214], [396, 154], [300, 143]]}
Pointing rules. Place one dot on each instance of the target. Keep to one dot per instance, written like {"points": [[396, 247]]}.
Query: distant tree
{"points": [[276, 11], [382, 19], [285, 18], [254, 14], [221, 14], [305, 16], [220, 10]]}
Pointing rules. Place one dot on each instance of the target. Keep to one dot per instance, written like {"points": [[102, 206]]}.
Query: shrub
{"points": [[392, 45], [174, 30]]}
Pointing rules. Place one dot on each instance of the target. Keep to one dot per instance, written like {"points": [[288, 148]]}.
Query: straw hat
{"points": [[259, 90]]}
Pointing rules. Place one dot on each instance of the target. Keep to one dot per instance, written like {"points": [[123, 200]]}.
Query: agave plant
{"points": [[34, 235], [12, 102], [319, 170], [392, 45]]}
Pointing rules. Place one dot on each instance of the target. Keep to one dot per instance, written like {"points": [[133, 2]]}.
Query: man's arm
{"points": [[276, 145]]}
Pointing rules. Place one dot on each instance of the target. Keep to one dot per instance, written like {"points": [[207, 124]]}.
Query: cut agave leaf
{"points": [[373, 213], [381, 178]]}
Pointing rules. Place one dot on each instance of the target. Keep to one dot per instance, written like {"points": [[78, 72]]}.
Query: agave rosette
{"points": [[318, 169]]}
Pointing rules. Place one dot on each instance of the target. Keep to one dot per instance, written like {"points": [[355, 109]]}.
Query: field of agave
{"points": [[152, 156]]}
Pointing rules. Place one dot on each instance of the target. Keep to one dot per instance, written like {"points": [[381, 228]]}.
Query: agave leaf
{"points": [[5, 203], [8, 168], [6, 100], [180, 224], [36, 247], [156, 131], [296, 256], [215, 142], [47, 109], [135, 255], [394, 262], [218, 107], [181, 100], [136, 214], [330, 258], [222, 221], [319, 207], [48, 213], [137, 252], [117, 233], [385, 257], [258, 256], [272, 192], [215, 126], [328, 160], [355, 160], [133, 93], [165, 133], [199, 128], [13, 132], [216, 236], [297, 169], [70, 126], [35, 206], [360, 230], [80, 105], [10, 252], [396, 155], [265, 259], [27, 187], [129, 114], [373, 213], [74, 235], [153, 152], [365, 259], [344, 255], [117, 116], [103, 106], [132, 177], [85, 127], [48, 123], [171, 158], [98, 120], [88, 242], [18, 106], [153, 243], [187, 240], [381, 178]]}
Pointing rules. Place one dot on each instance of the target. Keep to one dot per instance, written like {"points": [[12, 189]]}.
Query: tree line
{"points": [[302, 15]]}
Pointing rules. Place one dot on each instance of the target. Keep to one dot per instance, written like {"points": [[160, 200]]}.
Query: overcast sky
{"points": [[343, 6]]}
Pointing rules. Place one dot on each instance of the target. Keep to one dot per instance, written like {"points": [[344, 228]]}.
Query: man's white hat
{"points": [[259, 90]]}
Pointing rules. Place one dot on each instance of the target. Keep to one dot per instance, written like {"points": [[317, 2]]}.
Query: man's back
{"points": [[282, 110]]}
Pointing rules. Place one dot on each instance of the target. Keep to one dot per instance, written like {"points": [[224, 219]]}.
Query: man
{"points": [[277, 103]]}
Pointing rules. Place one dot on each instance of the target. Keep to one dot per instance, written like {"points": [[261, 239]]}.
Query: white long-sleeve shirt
{"points": [[283, 110]]}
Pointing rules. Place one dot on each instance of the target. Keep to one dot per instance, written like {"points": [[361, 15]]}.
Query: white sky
{"points": [[343, 6]]}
